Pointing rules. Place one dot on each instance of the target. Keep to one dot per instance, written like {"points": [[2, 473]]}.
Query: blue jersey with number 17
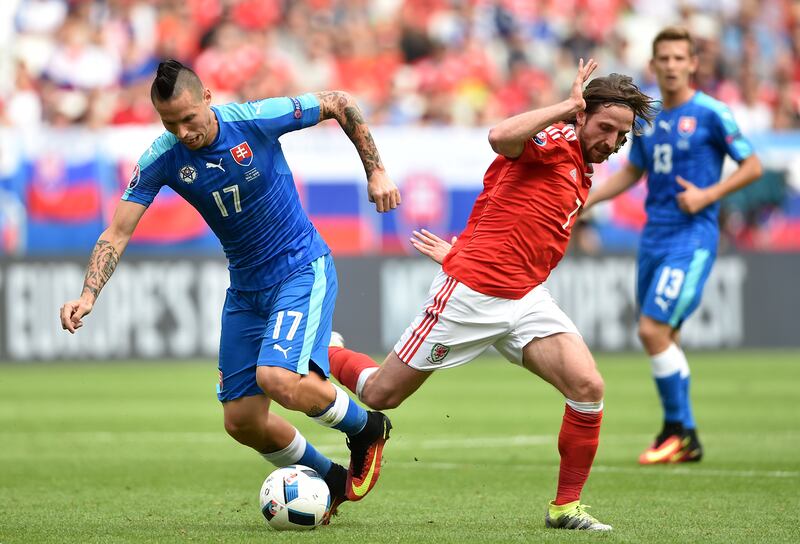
{"points": [[243, 188], [690, 141]]}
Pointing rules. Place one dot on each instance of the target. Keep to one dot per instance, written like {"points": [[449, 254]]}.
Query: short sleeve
{"points": [[726, 131], [543, 147], [148, 174], [637, 155], [277, 116]]}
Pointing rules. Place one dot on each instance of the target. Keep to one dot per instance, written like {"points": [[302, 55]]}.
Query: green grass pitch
{"points": [[136, 452]]}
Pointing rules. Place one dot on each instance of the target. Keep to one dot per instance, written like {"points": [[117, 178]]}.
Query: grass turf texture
{"points": [[136, 452]]}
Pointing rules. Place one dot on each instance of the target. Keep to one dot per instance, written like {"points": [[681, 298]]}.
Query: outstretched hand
{"points": [[584, 71], [431, 245]]}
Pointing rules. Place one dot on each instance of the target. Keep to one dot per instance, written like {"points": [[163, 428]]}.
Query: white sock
{"points": [[335, 413], [684, 364], [586, 407], [669, 361], [362, 379], [290, 454]]}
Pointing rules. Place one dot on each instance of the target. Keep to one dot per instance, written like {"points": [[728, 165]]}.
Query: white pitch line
{"points": [[641, 471], [335, 449]]}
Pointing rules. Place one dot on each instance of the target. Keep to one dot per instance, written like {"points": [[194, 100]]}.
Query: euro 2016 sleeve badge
{"points": [[135, 176]]}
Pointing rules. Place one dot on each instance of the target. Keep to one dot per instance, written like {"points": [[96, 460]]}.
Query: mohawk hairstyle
{"points": [[172, 78], [620, 90]]}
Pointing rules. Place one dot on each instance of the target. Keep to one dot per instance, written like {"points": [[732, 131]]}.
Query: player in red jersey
{"points": [[489, 291]]}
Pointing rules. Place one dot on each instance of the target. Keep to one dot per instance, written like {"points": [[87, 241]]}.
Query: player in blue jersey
{"points": [[682, 153], [227, 162]]}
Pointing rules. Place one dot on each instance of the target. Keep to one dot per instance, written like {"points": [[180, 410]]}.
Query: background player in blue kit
{"points": [[276, 323], [682, 153]]}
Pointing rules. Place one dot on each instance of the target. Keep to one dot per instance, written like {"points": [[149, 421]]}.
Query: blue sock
{"points": [[314, 459], [688, 416], [299, 452], [343, 414], [354, 420], [670, 389]]}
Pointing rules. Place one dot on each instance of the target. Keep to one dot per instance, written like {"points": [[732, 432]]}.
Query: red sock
{"points": [[577, 444], [346, 366]]}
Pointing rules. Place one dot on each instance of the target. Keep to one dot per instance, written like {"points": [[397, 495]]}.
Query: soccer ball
{"points": [[294, 498]]}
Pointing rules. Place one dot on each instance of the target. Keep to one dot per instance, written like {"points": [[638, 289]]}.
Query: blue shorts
{"points": [[670, 283], [286, 325]]}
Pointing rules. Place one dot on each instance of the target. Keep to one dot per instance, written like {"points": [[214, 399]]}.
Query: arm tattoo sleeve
{"points": [[342, 107], [102, 262]]}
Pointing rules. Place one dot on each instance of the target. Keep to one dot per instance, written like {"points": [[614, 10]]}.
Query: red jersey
{"points": [[521, 222]]}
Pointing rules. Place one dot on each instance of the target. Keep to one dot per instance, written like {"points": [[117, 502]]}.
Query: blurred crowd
{"points": [[460, 62]]}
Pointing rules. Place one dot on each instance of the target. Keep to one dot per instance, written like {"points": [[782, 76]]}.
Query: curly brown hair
{"points": [[619, 89]]}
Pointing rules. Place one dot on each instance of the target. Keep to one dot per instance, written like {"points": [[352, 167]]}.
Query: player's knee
{"points": [[278, 388], [239, 426], [590, 388], [645, 333], [652, 335]]}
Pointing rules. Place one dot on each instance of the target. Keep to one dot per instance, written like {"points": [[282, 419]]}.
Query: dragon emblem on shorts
{"points": [[438, 353]]}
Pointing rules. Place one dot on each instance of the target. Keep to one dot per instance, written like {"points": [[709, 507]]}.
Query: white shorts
{"points": [[457, 324]]}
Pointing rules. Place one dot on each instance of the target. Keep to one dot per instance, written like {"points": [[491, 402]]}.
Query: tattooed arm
{"points": [[102, 262], [341, 106]]}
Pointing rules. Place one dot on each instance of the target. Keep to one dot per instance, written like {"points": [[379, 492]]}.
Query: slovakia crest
{"points": [[686, 125], [541, 139], [134, 177], [242, 154]]}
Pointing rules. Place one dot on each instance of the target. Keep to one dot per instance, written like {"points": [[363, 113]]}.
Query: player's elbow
{"points": [[504, 143], [496, 139], [757, 167], [333, 105]]}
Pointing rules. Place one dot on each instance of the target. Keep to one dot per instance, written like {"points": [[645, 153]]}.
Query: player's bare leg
{"points": [[380, 387], [655, 336], [564, 361], [308, 393], [677, 442], [249, 422], [392, 383]]}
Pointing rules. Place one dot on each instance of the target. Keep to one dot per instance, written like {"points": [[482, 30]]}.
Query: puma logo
{"points": [[663, 304], [666, 125], [213, 165], [284, 351]]}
